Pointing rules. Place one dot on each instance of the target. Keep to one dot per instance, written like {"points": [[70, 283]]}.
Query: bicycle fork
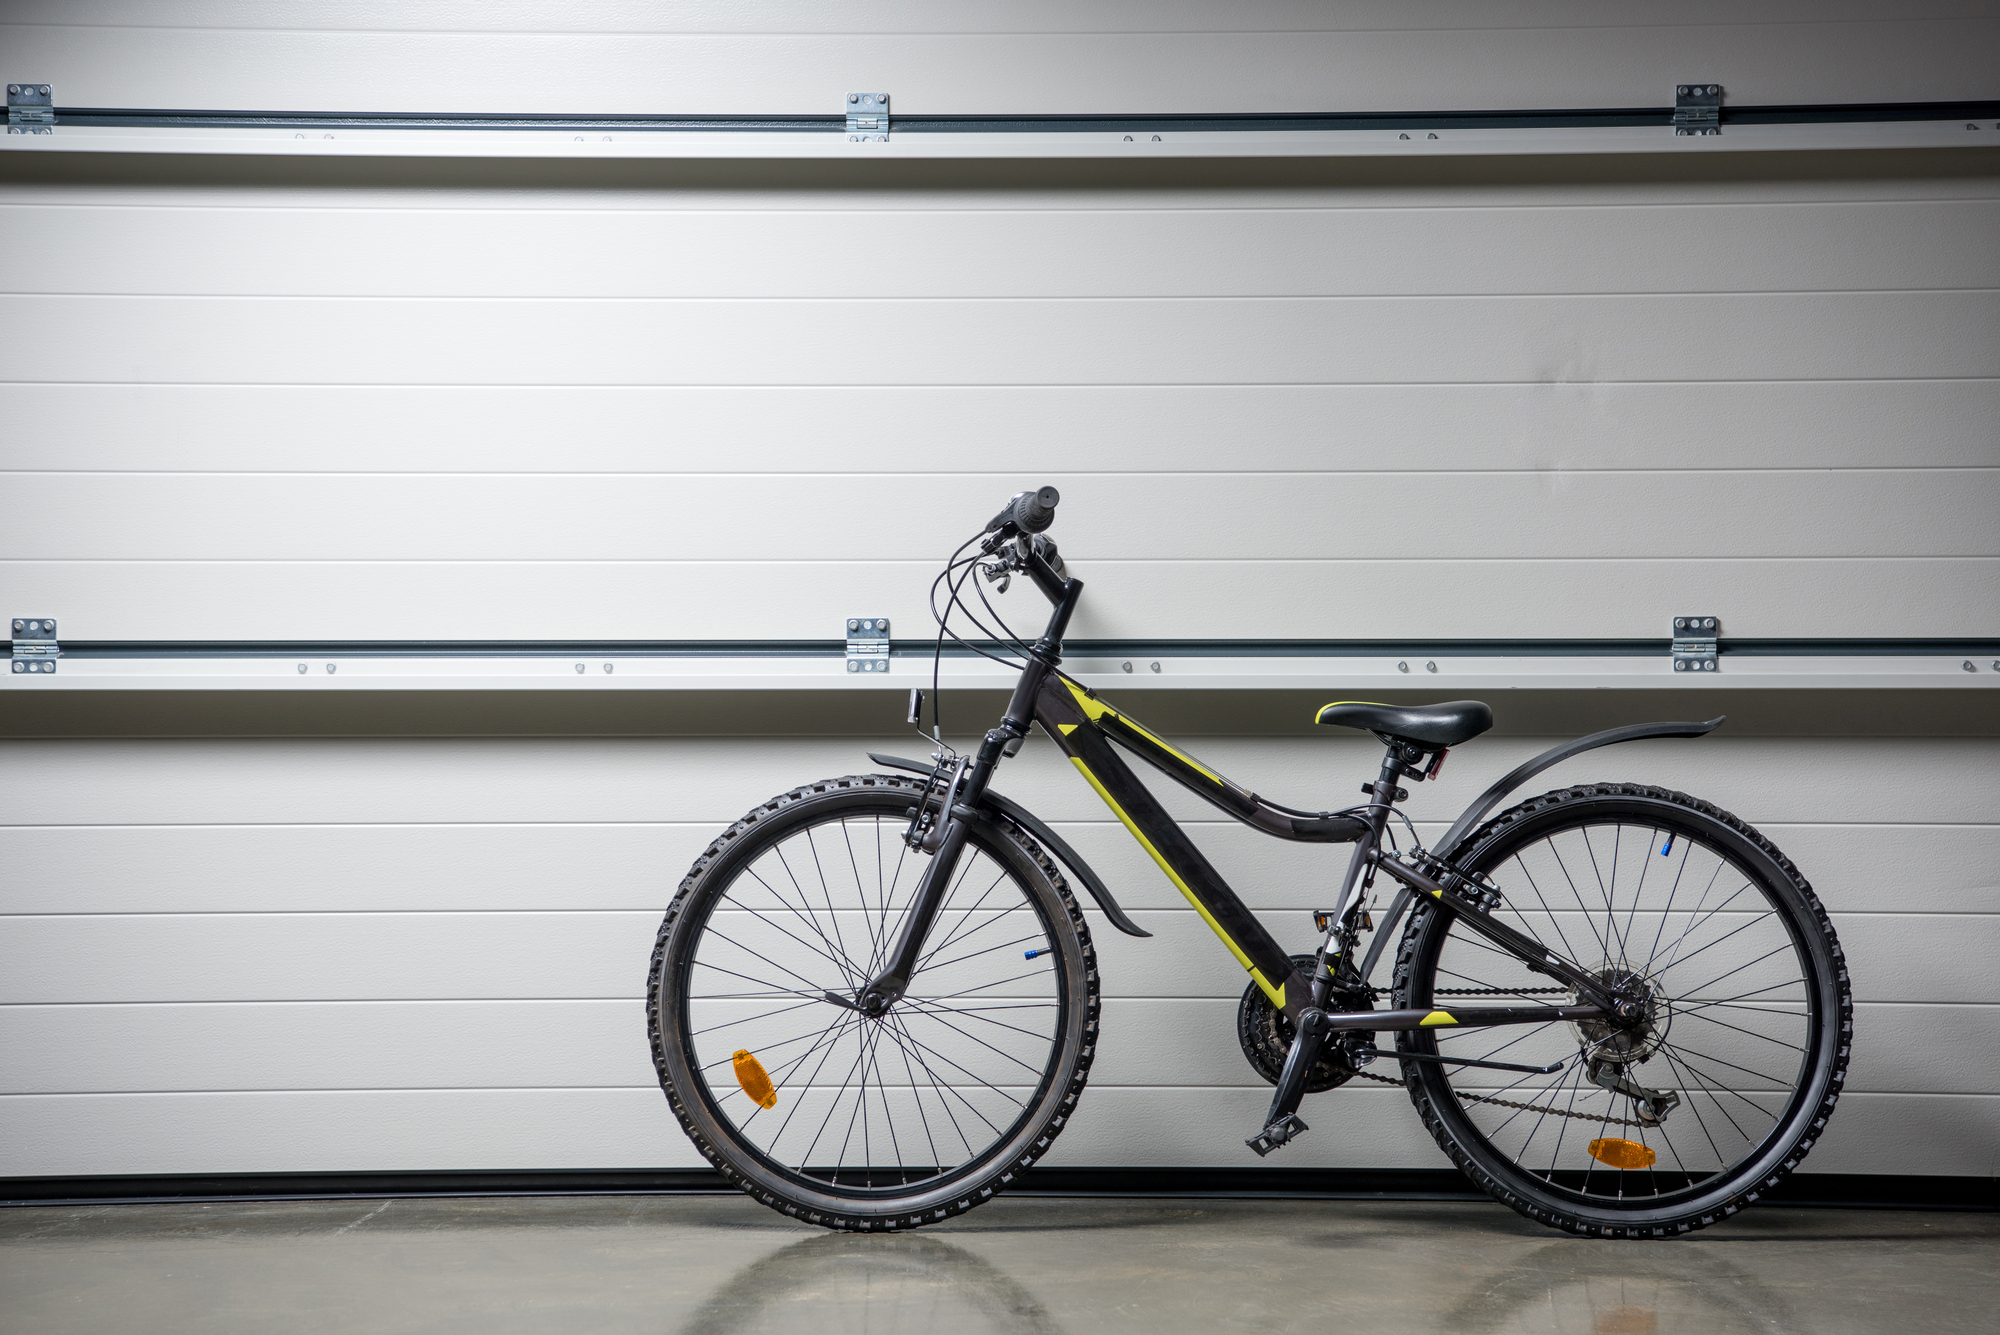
{"points": [[886, 988]]}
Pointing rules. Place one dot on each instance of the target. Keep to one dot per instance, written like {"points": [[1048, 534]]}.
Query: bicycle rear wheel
{"points": [[869, 1122], [1719, 1091]]}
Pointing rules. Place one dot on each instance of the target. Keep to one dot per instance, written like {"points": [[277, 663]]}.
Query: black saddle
{"points": [[1427, 726]]}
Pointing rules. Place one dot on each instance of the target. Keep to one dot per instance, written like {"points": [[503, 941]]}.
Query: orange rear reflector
{"points": [[756, 1083], [1617, 1153]]}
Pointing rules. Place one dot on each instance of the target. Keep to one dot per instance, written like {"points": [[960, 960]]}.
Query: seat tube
{"points": [[1377, 816]]}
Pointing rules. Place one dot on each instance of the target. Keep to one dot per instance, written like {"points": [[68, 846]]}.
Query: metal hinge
{"points": [[867, 644], [1698, 108], [31, 109], [1695, 643], [35, 647], [868, 118]]}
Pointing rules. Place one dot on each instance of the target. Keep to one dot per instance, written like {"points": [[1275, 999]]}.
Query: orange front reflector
{"points": [[757, 1084], [1617, 1153]]}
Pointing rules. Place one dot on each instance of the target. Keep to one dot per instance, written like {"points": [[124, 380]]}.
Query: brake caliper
{"points": [[926, 826]]}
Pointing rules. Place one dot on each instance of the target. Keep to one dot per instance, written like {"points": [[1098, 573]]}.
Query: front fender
{"points": [[1047, 838]]}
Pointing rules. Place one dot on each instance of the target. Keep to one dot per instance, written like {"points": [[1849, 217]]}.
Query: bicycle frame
{"points": [[1084, 729]]}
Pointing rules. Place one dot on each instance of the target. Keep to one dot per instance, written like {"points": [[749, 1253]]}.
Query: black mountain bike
{"points": [[874, 1001]]}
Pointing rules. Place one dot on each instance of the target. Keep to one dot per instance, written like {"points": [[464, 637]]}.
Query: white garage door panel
{"points": [[1698, 336], [756, 186], [962, 429], [326, 1045], [440, 868], [305, 957], [367, 956], [383, 600], [993, 59], [163, 517], [445, 1130], [900, 249], [336, 1131], [313, 401], [163, 1048], [1820, 780]]}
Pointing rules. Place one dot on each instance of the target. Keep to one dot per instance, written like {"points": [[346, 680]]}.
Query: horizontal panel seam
{"points": [[997, 214], [1601, 30], [970, 299], [1182, 910], [654, 1090], [858, 383], [1787, 471], [1123, 998], [721, 823], [929, 562]]}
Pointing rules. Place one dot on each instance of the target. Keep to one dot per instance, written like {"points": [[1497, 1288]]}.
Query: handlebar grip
{"points": [[1028, 511]]}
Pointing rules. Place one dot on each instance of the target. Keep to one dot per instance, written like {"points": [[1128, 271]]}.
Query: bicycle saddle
{"points": [[1447, 724]]}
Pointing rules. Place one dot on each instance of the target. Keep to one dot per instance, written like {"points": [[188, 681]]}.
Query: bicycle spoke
{"points": [[906, 1043], [1569, 951], [1710, 1019], [970, 1015]]}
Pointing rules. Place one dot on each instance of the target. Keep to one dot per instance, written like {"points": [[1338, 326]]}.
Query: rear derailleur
{"points": [[1651, 1105]]}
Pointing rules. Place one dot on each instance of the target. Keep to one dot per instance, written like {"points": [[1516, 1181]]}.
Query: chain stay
{"points": [[1374, 992]]}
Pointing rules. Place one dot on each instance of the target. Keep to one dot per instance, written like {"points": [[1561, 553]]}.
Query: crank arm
{"points": [[1442, 1060], [1396, 1021]]}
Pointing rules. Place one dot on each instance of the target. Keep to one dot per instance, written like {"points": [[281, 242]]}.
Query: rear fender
{"points": [[1469, 820], [1555, 755]]}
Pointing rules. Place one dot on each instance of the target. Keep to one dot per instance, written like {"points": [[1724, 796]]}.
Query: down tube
{"points": [[1141, 813]]}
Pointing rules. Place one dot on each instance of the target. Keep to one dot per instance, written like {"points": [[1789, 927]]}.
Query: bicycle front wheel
{"points": [[843, 1119], [1699, 1107]]}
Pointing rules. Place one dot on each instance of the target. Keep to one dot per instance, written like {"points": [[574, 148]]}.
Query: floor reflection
{"points": [[845, 1284], [1568, 1290]]}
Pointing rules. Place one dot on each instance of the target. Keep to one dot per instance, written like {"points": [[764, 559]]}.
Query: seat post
{"points": [[1392, 770]]}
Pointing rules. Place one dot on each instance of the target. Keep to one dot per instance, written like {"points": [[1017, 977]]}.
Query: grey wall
{"points": [[276, 398]]}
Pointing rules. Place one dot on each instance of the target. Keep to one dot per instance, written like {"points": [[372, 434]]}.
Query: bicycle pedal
{"points": [[1277, 1134]]}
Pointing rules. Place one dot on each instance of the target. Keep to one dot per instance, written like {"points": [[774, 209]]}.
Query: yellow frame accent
{"points": [[1097, 709], [1276, 994]]}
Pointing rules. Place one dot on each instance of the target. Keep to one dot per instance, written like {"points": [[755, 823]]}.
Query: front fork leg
{"points": [[886, 988]]}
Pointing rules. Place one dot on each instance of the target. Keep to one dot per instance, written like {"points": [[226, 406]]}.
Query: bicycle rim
{"points": [[1732, 954], [930, 1096]]}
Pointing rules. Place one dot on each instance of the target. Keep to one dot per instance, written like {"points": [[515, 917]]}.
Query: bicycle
{"points": [[873, 1003]]}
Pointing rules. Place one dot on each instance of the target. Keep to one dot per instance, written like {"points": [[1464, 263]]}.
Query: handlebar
{"points": [[1028, 511]]}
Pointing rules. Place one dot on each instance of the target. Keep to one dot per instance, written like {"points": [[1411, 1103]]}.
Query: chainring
{"points": [[1266, 1035]]}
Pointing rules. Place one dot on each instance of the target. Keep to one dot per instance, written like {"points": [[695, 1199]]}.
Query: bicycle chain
{"points": [[1524, 1107], [1377, 993], [1505, 1103]]}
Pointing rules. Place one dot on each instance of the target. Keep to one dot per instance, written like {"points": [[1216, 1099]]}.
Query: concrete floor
{"points": [[724, 1266]]}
